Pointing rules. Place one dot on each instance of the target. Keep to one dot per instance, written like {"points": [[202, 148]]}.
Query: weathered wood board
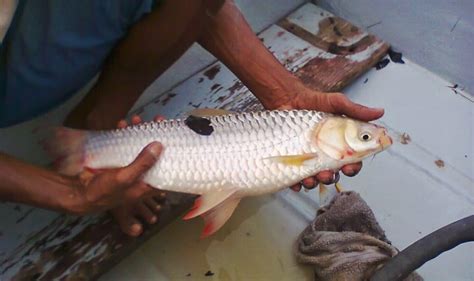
{"points": [[324, 51]]}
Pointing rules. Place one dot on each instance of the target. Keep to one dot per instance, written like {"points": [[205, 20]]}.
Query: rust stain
{"points": [[168, 98], [405, 138], [439, 163], [212, 72]]}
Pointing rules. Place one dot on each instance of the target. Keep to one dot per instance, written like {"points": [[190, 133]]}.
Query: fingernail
{"points": [[155, 149]]}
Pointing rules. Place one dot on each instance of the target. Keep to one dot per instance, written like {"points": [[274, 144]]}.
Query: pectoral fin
{"points": [[294, 160]]}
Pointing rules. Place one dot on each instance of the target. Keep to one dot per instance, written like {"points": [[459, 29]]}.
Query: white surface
{"points": [[436, 34], [410, 195]]}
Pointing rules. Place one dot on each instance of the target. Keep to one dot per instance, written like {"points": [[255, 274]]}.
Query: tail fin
{"points": [[66, 147]]}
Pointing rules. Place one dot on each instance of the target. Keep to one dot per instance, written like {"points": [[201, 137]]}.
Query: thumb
{"points": [[342, 105], [144, 161]]}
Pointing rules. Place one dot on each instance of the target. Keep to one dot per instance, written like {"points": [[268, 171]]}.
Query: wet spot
{"points": [[168, 98], [199, 125], [439, 163], [405, 138], [395, 56], [212, 72], [381, 64], [209, 273]]}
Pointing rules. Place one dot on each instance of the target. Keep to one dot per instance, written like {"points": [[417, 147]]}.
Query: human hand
{"points": [[145, 207], [305, 98]]}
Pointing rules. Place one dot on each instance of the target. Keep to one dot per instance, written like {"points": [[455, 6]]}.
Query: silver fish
{"points": [[226, 157]]}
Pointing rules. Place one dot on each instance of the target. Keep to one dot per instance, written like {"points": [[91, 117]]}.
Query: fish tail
{"points": [[67, 149]]}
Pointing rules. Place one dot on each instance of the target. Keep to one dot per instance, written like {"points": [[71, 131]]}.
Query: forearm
{"points": [[24, 183], [228, 37], [151, 46]]}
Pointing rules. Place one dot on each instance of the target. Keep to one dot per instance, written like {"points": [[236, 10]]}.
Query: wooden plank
{"points": [[354, 50], [44, 245]]}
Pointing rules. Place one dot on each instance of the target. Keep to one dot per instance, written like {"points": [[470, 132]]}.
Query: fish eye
{"points": [[365, 136]]}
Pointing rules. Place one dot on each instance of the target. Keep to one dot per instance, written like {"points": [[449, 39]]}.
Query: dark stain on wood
{"points": [[209, 273], [212, 72], [168, 97]]}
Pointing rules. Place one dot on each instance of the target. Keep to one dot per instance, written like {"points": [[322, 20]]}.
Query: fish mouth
{"points": [[385, 140]]}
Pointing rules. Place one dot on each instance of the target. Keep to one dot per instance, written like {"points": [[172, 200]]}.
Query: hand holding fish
{"points": [[337, 103]]}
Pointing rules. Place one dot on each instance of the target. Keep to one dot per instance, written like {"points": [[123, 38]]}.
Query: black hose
{"points": [[425, 249]]}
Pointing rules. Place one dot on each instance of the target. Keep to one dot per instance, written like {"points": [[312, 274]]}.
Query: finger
{"points": [[127, 222], [309, 183], [351, 169], [326, 177], [136, 120], [296, 187], [159, 118], [153, 204], [342, 105], [122, 124], [145, 213], [144, 161]]}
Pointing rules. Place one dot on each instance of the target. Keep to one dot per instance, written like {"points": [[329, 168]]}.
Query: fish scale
{"points": [[235, 155]]}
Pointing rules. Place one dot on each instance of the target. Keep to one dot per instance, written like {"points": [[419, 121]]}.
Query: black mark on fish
{"points": [[199, 125], [200, 80], [366, 80], [381, 64], [209, 273], [395, 56]]}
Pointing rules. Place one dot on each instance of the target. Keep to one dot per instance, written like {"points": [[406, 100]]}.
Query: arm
{"points": [[229, 37], [24, 183]]}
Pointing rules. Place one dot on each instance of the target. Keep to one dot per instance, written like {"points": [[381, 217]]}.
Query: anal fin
{"points": [[215, 218], [206, 202]]}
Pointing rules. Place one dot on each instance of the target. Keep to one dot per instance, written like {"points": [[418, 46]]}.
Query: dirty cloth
{"points": [[345, 242]]}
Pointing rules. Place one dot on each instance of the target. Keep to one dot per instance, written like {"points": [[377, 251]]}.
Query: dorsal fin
{"points": [[207, 112]]}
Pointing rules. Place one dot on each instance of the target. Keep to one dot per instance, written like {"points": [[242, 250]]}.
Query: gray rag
{"points": [[345, 241]]}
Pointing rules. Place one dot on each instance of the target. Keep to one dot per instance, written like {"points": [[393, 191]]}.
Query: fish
{"points": [[223, 157]]}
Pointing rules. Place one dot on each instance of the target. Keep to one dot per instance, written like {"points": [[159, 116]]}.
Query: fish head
{"points": [[350, 140]]}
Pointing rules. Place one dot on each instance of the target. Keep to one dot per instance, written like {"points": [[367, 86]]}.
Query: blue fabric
{"points": [[54, 47]]}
